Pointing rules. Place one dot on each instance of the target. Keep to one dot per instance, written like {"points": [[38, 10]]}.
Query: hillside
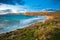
{"points": [[47, 30], [42, 13]]}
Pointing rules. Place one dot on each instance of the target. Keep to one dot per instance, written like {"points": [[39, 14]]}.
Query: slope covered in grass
{"points": [[49, 30]]}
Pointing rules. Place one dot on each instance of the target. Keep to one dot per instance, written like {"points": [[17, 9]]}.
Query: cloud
{"points": [[29, 5], [48, 10], [12, 2], [5, 8], [5, 11]]}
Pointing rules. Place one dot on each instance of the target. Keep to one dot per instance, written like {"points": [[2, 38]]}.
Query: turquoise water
{"points": [[12, 22]]}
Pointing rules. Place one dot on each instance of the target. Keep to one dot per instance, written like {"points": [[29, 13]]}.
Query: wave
{"points": [[22, 24]]}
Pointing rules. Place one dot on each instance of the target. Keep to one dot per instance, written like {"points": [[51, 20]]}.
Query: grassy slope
{"points": [[50, 30]]}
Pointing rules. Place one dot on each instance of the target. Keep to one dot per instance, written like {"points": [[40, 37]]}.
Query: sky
{"points": [[29, 5]]}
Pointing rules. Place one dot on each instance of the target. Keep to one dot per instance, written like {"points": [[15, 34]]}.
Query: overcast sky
{"points": [[29, 5]]}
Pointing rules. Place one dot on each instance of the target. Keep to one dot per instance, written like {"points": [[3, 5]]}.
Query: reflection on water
{"points": [[13, 22]]}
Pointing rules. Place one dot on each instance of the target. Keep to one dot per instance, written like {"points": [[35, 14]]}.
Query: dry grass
{"points": [[49, 30]]}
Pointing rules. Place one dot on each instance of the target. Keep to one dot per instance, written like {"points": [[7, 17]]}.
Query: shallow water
{"points": [[12, 22]]}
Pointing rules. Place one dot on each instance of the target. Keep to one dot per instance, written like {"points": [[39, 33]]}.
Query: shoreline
{"points": [[48, 29], [49, 17], [24, 26], [43, 21]]}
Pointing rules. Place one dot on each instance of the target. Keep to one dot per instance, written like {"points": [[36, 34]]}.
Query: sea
{"points": [[11, 22]]}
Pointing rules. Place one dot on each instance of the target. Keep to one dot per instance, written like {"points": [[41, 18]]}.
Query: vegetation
{"points": [[49, 30]]}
